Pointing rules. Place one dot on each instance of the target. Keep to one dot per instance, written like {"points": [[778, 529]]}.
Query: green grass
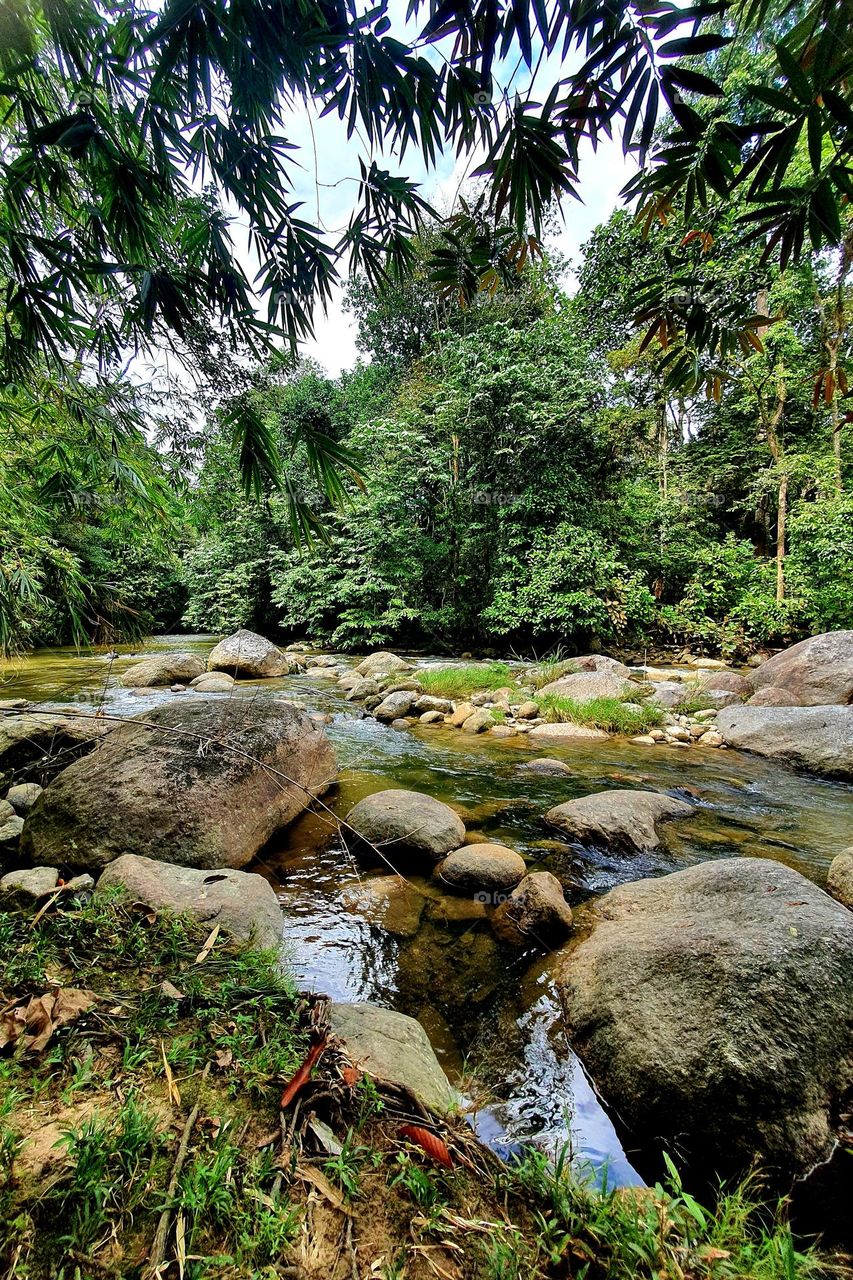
{"points": [[463, 681], [550, 669], [612, 714], [657, 1233]]}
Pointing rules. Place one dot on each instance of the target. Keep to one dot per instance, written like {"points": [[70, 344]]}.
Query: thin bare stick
{"points": [[158, 1249]]}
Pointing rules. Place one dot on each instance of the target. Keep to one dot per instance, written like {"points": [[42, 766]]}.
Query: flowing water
{"points": [[493, 1019]]}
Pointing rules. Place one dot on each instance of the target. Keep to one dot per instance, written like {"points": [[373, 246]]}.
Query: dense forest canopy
{"points": [[659, 454]]}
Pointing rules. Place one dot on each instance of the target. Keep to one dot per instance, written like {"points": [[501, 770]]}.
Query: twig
{"points": [[158, 1248]]}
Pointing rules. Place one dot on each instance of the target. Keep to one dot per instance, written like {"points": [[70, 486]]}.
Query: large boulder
{"points": [[162, 669], [623, 820], [382, 663], [714, 1010], [248, 655], [394, 1049], [395, 705], [583, 686], [535, 913], [213, 682], [669, 693], [816, 671], [243, 904], [817, 739], [195, 782], [405, 823]]}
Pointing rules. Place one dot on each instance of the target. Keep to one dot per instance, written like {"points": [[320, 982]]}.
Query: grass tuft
{"points": [[462, 682], [550, 669], [611, 714]]}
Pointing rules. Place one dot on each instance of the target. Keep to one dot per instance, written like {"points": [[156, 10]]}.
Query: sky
{"points": [[328, 159]]}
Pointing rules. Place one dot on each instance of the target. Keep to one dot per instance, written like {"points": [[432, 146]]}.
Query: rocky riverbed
{"points": [[508, 863]]}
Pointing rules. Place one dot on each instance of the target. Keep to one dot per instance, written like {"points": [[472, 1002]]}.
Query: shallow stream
{"points": [[492, 1018]]}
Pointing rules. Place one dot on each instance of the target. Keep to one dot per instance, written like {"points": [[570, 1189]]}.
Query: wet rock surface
{"points": [[625, 820], [404, 823]]}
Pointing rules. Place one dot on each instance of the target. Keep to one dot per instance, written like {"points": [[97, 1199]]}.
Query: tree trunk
{"points": [[781, 520]]}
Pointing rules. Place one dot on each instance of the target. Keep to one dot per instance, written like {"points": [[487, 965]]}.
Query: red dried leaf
{"points": [[303, 1075], [428, 1142], [351, 1076]]}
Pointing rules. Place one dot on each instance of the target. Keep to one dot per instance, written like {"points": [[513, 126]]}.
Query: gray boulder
{"points": [[727, 682], [213, 682], [492, 867], [382, 663], [585, 685], [28, 886], [362, 687], [535, 913], [478, 721], [839, 881], [816, 739], [568, 733], [714, 1010], [817, 671], [196, 782], [407, 822], [23, 796], [669, 693], [162, 669], [250, 656], [395, 705], [10, 832], [393, 1048], [623, 820], [243, 904], [426, 702]]}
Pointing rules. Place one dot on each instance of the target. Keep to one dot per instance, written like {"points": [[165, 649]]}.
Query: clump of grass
{"points": [[461, 682], [648, 1233], [694, 700], [550, 669], [612, 714]]}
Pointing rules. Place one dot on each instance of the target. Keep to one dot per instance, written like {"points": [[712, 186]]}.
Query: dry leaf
{"points": [[169, 990], [325, 1137], [303, 1075], [35, 1022], [224, 1058], [319, 1180], [428, 1142], [351, 1076], [208, 946], [171, 1085], [181, 1243]]}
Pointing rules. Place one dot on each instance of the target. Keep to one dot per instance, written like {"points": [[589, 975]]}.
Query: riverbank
{"points": [[143, 1134]]}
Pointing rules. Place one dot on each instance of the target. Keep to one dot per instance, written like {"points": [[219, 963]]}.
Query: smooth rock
{"points": [[624, 820], [363, 687], [713, 1009], [394, 1048], [407, 822], [382, 663], [478, 722], [817, 671], [546, 765], [839, 881], [816, 739], [706, 664], [727, 682], [426, 702], [669, 693], [644, 740], [7, 810], [481, 866], [585, 685], [432, 717], [242, 903], [29, 885], [248, 655], [206, 786], [460, 713], [350, 678], [213, 682], [535, 913], [10, 832], [395, 705], [162, 669], [503, 731], [527, 711], [566, 733]]}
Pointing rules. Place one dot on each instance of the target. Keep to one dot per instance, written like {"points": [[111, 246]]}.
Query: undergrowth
{"points": [[613, 714], [175, 1035]]}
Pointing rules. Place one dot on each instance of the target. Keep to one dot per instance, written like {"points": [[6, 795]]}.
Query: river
{"points": [[495, 1025]]}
